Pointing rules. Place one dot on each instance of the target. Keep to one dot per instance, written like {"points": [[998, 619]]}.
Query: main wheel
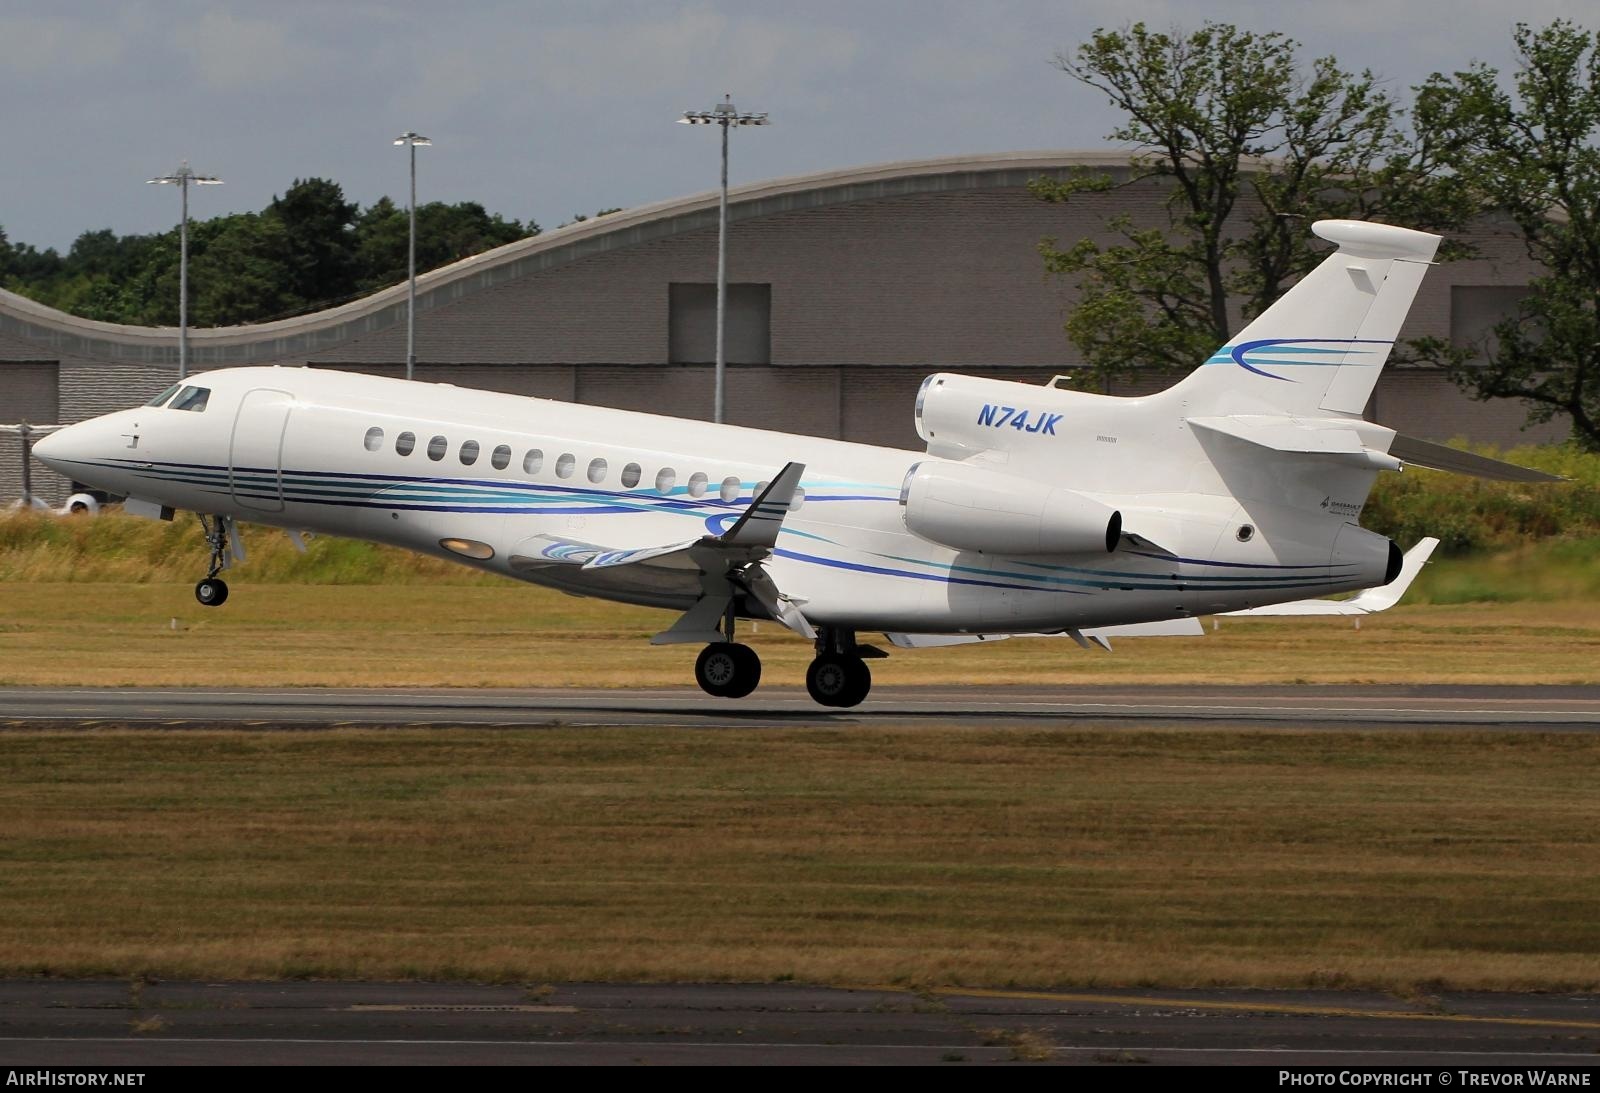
{"points": [[838, 680], [727, 670], [211, 592]]}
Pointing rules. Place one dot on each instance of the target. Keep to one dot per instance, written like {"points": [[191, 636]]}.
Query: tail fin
{"points": [[1318, 350]]}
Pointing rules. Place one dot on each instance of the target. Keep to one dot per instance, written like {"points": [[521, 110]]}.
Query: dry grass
{"points": [[520, 636], [962, 857]]}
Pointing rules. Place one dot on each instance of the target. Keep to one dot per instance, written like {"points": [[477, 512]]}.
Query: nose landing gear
{"points": [[211, 592], [221, 537]]}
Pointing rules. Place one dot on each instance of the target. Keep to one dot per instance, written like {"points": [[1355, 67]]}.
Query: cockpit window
{"points": [[191, 398], [164, 396]]}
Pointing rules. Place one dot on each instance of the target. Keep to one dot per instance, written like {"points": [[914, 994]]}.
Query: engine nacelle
{"points": [[959, 415], [968, 508]]}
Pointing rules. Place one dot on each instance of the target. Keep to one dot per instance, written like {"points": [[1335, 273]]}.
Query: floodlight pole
{"points": [[181, 178], [412, 139], [724, 114]]}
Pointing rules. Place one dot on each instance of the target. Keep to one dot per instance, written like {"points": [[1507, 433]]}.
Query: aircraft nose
{"points": [[51, 449], [67, 446]]}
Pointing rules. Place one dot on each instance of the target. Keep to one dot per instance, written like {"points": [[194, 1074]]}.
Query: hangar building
{"points": [[845, 289]]}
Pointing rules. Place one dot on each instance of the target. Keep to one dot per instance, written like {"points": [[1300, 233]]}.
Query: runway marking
{"points": [[1254, 1007], [446, 1007]]}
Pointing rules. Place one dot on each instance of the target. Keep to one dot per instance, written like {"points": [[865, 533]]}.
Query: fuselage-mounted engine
{"points": [[969, 508]]}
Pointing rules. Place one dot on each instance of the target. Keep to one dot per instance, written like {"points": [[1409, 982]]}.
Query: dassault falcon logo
{"points": [[1001, 416], [1341, 508]]}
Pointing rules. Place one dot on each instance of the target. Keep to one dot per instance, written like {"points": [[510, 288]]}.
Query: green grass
{"points": [[510, 635], [927, 857], [1471, 515]]}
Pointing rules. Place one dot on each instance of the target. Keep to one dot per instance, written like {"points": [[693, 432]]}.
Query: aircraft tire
{"points": [[726, 669], [211, 592], [838, 680]]}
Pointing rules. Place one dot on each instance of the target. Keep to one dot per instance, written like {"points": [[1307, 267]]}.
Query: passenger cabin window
{"points": [[469, 452], [565, 464], [164, 396], [630, 475], [501, 457], [730, 488], [374, 439], [597, 470], [191, 398], [437, 447], [697, 484], [405, 443], [532, 462], [666, 479]]}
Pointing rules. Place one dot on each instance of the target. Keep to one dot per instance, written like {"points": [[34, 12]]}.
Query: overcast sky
{"points": [[543, 109]]}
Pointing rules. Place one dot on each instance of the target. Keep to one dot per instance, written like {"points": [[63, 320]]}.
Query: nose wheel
{"points": [[211, 592], [727, 669]]}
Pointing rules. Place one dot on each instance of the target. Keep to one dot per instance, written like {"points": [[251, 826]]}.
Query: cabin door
{"points": [[255, 458]]}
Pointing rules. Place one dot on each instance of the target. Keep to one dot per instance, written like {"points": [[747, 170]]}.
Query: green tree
{"points": [[445, 234], [243, 269], [1531, 154], [318, 241], [309, 249], [1251, 146]]}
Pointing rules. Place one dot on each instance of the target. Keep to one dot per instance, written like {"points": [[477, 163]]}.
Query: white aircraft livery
{"points": [[1034, 510]]}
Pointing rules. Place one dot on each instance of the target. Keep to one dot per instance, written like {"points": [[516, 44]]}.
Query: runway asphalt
{"points": [[55, 1022], [1572, 709]]}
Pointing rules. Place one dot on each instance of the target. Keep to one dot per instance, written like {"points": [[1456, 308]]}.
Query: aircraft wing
{"points": [[1369, 601], [751, 537], [709, 571], [706, 572]]}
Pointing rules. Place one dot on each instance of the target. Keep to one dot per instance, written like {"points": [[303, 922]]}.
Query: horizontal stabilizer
{"points": [[1438, 457], [1373, 599], [1326, 437]]}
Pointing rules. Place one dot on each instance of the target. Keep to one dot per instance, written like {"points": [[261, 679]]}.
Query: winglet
{"points": [[1386, 596], [760, 523], [1372, 599]]}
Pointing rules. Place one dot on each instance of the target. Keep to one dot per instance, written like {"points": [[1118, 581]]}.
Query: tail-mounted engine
{"points": [[968, 508], [959, 415]]}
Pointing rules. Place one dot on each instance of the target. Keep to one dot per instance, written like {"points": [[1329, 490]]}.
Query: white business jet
{"points": [[1035, 510]]}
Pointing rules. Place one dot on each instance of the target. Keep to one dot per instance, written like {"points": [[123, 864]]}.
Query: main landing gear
{"points": [[213, 591], [726, 669], [838, 677]]}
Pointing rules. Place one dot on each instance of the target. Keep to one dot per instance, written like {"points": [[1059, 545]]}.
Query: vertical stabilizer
{"points": [[1318, 350]]}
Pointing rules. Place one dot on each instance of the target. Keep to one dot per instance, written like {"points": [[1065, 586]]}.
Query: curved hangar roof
{"points": [[306, 334]]}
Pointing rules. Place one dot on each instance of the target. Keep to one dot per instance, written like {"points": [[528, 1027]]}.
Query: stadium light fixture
{"points": [[411, 140], [726, 115], [183, 178]]}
